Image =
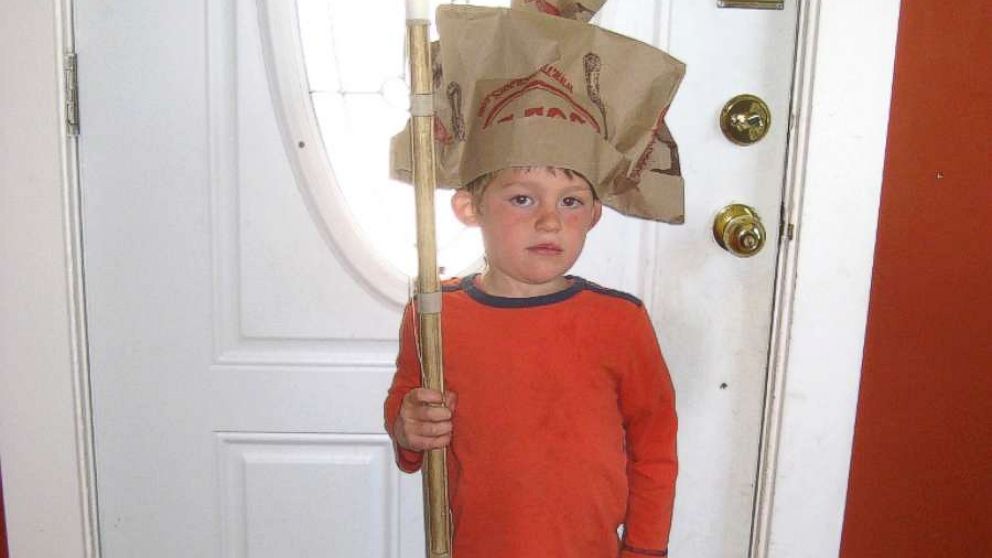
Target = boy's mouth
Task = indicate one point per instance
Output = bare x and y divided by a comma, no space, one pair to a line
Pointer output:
547,249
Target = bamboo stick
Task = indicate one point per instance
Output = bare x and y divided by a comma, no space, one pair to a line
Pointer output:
436,512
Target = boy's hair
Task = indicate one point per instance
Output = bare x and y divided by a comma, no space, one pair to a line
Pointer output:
477,186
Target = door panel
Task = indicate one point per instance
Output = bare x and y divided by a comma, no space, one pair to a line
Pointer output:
712,310
304,494
239,361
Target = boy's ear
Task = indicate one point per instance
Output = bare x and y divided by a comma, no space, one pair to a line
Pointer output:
597,212
464,208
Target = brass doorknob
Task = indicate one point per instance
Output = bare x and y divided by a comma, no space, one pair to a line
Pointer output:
745,119
738,230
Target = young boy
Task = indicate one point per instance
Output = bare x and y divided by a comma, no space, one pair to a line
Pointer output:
564,426
559,416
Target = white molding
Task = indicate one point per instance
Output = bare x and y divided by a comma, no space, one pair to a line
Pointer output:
650,265
231,345
237,452
46,437
328,355
222,128
785,280
305,150
840,119
73,231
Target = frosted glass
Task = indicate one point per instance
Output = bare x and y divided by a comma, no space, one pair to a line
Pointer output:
357,73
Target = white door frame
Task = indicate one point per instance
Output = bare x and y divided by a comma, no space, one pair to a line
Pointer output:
840,119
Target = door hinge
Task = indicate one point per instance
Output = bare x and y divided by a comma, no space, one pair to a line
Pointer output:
788,230
71,95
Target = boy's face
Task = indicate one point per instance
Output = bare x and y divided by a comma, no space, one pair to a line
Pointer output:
534,224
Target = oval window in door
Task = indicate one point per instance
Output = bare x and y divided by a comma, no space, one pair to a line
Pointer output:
338,76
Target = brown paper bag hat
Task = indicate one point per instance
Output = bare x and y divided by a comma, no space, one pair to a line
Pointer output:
570,9
516,87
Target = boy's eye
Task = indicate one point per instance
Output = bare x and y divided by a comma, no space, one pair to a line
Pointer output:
521,200
572,202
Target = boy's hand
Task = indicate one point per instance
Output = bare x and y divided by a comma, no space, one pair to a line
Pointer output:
424,421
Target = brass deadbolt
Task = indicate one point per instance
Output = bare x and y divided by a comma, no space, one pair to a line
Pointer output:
745,119
738,230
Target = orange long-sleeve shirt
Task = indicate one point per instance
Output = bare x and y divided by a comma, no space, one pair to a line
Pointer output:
565,426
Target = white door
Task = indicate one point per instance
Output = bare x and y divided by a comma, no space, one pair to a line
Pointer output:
241,340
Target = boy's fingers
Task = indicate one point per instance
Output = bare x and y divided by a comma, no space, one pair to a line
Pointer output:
435,443
427,443
441,442
425,405
435,429
400,435
423,413
426,429
412,427
424,396
434,414
424,420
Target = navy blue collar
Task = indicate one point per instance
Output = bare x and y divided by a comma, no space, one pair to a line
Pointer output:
477,294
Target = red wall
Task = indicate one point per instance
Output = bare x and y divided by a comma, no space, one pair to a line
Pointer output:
921,471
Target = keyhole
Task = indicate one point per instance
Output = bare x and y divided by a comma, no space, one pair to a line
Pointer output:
748,241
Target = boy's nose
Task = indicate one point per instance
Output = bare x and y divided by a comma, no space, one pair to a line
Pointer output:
548,221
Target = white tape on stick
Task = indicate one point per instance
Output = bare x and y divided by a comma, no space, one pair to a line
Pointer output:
429,303
418,9
421,104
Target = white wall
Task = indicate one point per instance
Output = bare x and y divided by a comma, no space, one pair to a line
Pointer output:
37,425
847,124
